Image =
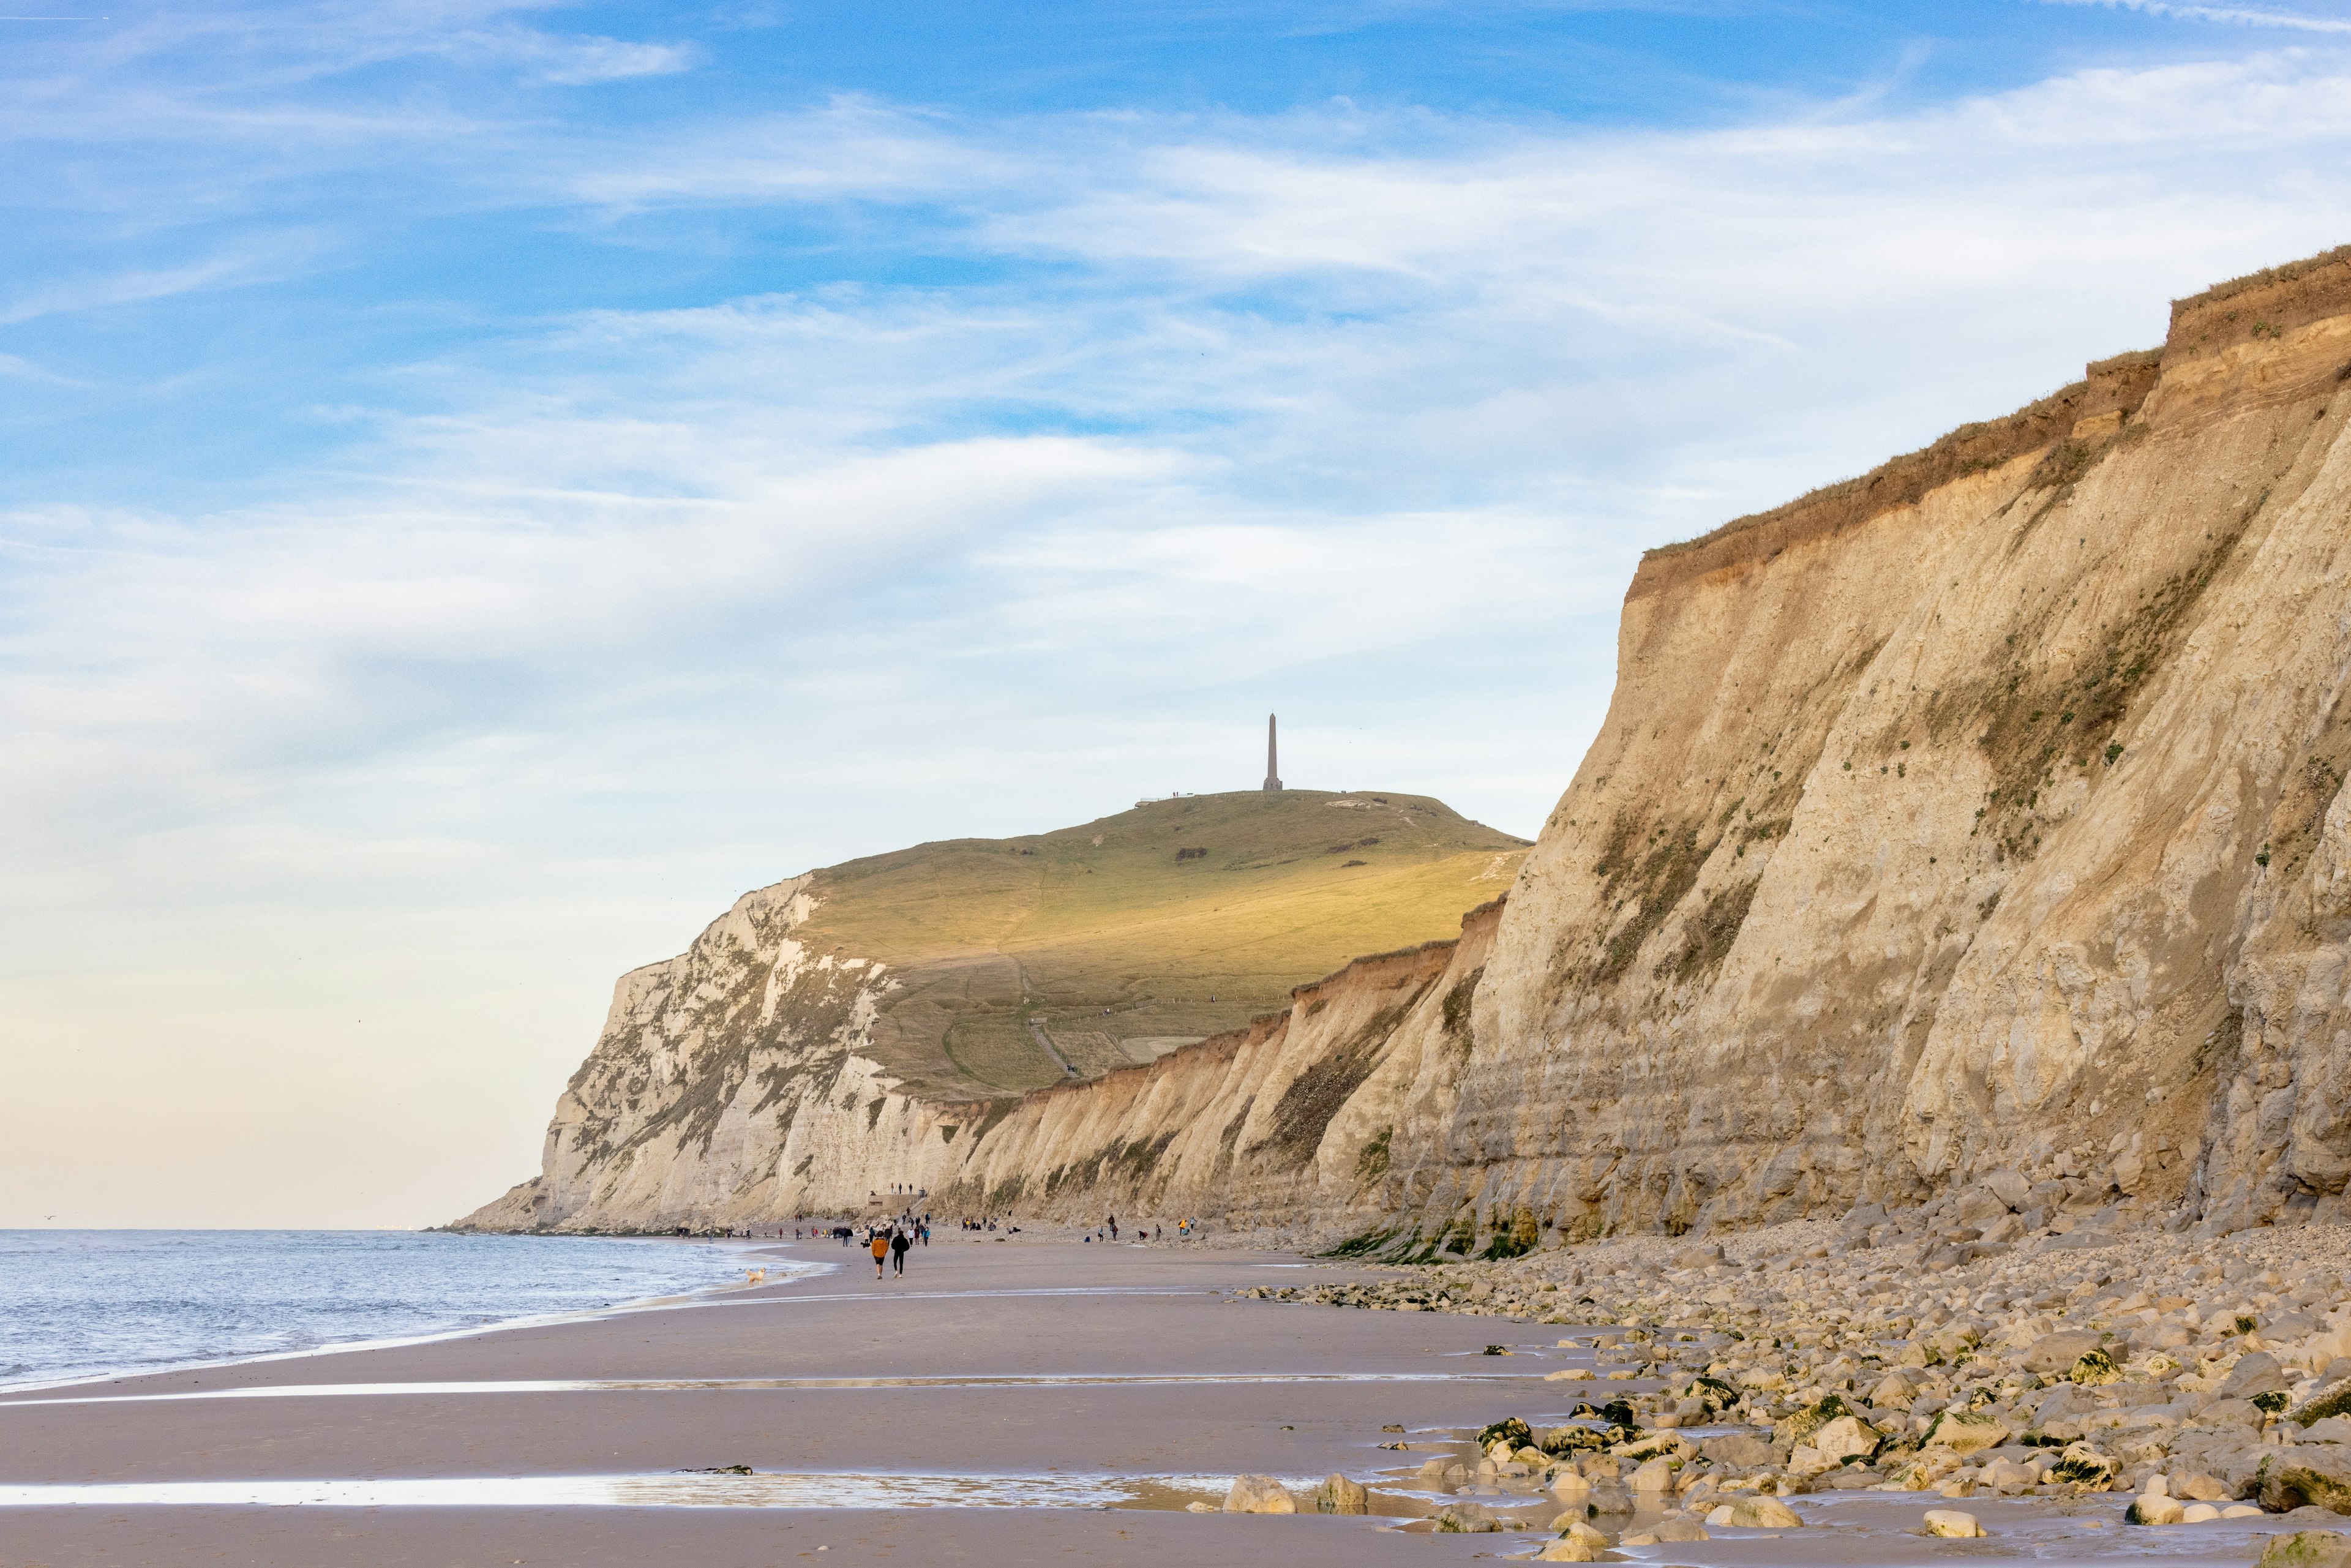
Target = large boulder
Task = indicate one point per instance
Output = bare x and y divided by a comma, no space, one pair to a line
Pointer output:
1654,1475
2079,1464
1258,1494
2256,1371
1337,1494
2009,1187
2307,1548
1467,1518
1847,1438
1950,1522
1800,1427
1755,1513
2334,1399
2008,1477
2317,1474
1899,1386
1740,1452
2058,1352
1966,1432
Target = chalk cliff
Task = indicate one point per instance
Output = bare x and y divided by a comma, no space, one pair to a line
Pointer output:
1983,812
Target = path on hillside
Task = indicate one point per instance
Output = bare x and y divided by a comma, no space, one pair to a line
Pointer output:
1008,1323
1037,1027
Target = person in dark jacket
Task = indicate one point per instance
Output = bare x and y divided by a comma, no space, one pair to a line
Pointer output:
899,1242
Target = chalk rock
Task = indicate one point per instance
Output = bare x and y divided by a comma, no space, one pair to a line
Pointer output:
1467,1518
1260,1494
1739,1451
1847,1437
1951,1523
2307,1548
2010,1186
1755,1513
2315,1473
2058,1352
2008,1477
1337,1494
2256,1371
1968,1432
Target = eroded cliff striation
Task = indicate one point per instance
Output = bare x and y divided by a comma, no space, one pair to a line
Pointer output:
1982,812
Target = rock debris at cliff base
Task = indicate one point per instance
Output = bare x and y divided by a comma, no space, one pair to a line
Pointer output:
2168,1379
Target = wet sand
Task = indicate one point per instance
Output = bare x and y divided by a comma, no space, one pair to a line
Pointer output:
1003,1323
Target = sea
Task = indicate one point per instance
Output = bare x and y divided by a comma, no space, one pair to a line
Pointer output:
77,1305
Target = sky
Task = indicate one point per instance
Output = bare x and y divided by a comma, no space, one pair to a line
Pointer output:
486,483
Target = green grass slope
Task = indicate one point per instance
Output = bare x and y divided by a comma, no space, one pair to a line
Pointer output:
1103,945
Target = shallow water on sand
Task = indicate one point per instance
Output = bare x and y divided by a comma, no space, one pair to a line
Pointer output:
85,1303
697,1489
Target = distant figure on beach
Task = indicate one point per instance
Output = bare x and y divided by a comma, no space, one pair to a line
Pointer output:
1113,1227
899,1242
881,1252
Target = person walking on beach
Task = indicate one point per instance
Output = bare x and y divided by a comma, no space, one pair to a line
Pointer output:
881,1252
899,1243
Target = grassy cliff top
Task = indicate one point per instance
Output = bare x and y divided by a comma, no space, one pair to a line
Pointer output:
1098,946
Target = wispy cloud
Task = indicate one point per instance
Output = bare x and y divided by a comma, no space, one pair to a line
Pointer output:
2230,16
239,267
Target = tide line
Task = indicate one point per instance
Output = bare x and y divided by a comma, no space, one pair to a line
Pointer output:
756,1385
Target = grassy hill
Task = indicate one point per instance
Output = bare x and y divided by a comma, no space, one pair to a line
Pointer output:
1098,946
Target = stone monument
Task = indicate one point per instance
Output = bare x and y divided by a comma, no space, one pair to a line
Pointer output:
1272,773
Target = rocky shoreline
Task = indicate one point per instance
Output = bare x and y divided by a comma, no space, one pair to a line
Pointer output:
1955,1350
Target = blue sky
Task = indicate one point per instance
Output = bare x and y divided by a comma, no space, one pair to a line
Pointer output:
486,483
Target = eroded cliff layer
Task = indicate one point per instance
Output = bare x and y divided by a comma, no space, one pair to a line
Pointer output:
1984,811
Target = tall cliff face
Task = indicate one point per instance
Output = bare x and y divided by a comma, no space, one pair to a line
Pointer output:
1990,827
1982,812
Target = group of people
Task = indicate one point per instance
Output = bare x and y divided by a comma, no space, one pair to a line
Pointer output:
891,1243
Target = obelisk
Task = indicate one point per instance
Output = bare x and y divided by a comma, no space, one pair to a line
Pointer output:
1272,773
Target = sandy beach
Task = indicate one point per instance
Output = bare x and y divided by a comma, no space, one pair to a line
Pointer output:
998,1314
1038,1399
